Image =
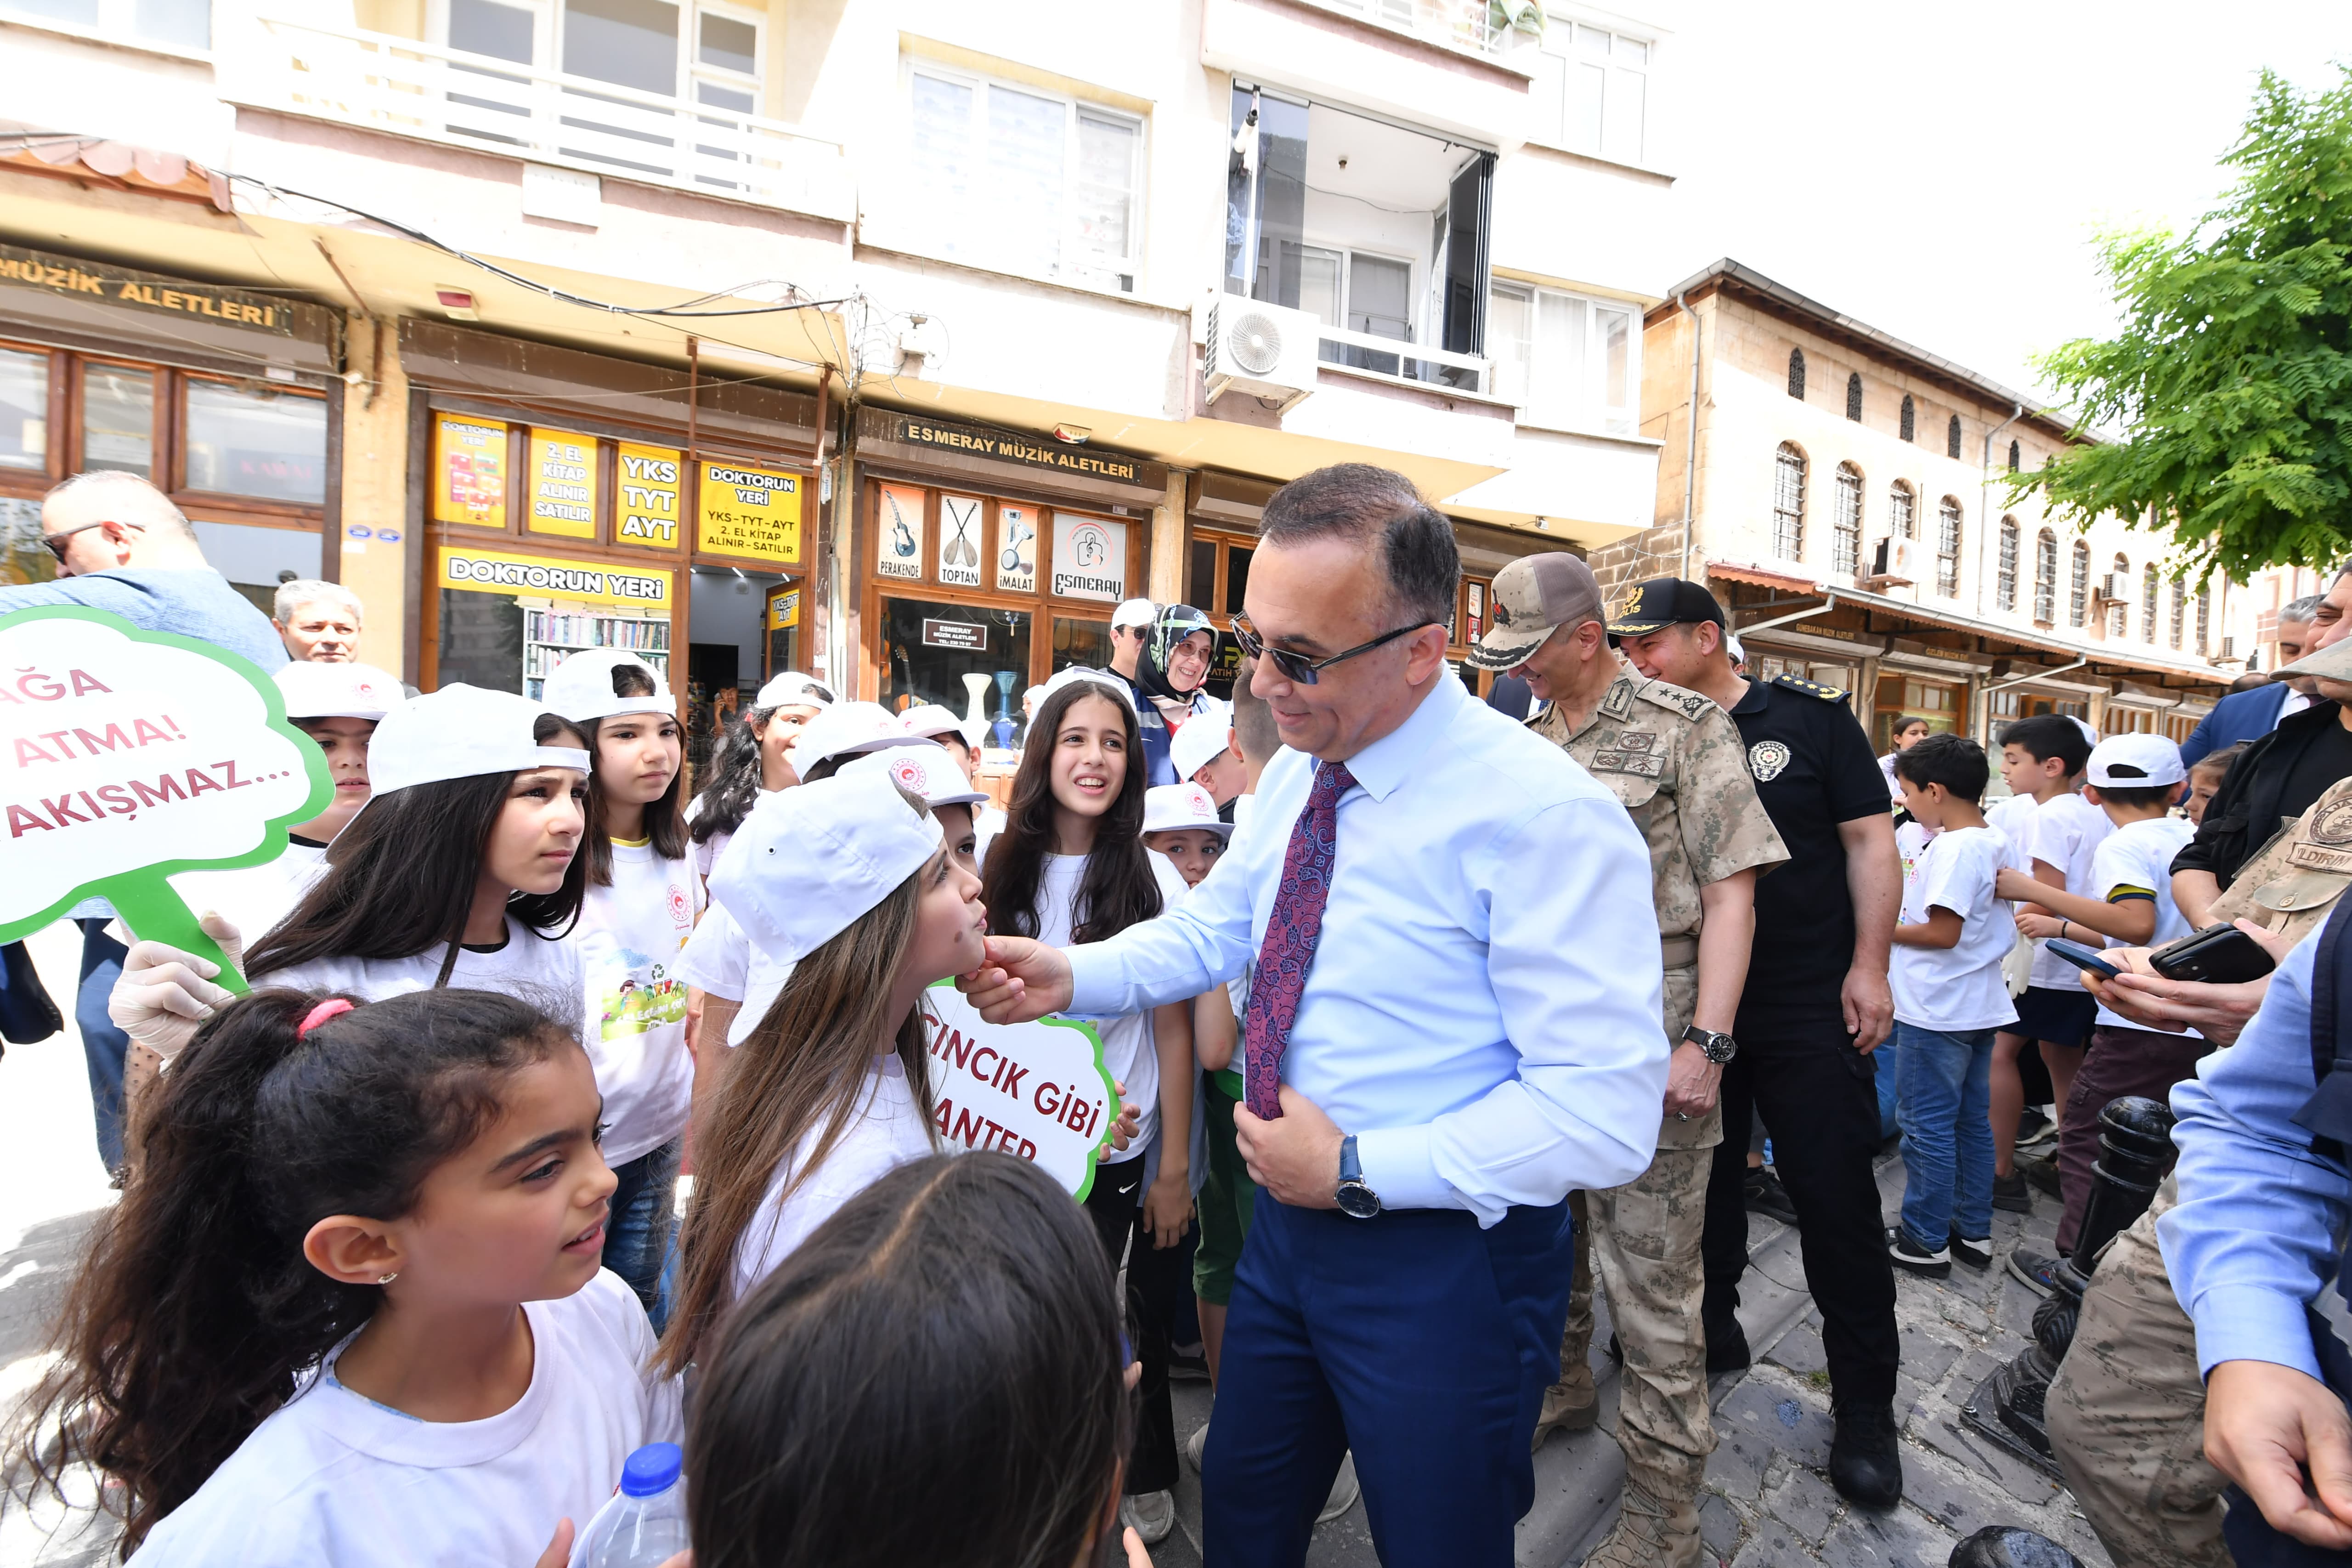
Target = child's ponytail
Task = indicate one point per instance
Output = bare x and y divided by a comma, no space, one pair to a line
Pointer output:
194,1314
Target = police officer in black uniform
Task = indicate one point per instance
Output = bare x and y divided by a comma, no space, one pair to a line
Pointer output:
1816,1004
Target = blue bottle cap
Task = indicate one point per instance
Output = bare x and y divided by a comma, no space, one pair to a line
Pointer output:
651,1469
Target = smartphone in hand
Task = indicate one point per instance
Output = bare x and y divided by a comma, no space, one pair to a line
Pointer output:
2218,955
2081,957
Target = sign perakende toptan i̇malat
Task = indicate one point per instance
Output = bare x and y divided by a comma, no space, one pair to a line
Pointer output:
1036,1090
132,756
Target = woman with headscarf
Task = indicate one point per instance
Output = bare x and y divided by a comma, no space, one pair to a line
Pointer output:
1168,682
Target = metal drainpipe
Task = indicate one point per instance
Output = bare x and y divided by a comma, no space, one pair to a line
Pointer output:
1690,457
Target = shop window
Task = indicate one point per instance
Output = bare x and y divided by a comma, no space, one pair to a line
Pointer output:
1940,703
1365,271
256,441
23,410
1566,359
1591,90
118,419
967,659
1013,177
1217,574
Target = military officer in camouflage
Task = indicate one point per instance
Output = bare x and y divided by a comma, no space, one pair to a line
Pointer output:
1676,762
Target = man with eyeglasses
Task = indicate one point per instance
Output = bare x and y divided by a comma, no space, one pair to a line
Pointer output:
122,547
1455,1022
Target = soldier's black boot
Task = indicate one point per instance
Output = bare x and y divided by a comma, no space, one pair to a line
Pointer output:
1865,1466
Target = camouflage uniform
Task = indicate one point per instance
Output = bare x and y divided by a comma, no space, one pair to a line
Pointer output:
1676,761
2126,1412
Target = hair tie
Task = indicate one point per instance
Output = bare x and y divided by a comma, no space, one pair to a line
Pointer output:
332,1007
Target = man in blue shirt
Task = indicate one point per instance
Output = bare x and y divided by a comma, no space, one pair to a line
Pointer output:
122,547
2254,1252
2251,715
1453,1021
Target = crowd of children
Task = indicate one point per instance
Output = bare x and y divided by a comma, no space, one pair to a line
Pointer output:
399,1263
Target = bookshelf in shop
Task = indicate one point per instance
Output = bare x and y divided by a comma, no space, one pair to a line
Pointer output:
551,636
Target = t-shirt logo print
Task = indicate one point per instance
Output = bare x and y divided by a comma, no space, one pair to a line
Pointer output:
1767,759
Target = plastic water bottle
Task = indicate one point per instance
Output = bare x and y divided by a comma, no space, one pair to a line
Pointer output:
644,1524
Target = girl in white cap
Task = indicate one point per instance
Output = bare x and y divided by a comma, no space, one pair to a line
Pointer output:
753,759
641,899
847,881
1070,866
463,869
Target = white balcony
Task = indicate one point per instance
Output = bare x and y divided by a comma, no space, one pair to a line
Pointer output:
1411,363
410,87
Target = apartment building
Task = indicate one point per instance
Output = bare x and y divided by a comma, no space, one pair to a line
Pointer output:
1847,495
894,344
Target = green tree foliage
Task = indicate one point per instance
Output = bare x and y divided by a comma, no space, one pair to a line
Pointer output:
2231,382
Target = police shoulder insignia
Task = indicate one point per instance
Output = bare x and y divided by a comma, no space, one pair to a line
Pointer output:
1766,759
1810,689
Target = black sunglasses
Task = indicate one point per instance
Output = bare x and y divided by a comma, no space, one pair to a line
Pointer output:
56,541
1297,667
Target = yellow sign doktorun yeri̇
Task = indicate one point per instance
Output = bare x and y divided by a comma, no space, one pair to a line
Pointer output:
750,511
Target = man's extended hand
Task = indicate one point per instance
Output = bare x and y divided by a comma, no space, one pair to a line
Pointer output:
1021,980
1691,1082
2216,1012
2264,1424
1869,1008
1296,1157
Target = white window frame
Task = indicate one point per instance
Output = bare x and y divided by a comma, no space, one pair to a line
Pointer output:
1558,63
547,46
1589,409
1075,263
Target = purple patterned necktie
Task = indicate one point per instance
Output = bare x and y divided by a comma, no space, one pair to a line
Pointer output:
1291,933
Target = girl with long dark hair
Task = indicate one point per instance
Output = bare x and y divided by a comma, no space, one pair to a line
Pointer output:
642,896
753,758
847,880
463,868
349,1310
1070,866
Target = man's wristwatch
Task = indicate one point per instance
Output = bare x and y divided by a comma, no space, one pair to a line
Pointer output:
1719,1047
1357,1201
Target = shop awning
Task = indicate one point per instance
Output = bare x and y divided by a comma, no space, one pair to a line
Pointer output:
2110,660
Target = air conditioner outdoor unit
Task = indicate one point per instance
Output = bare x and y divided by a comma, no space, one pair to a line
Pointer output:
1268,350
2115,587
1898,561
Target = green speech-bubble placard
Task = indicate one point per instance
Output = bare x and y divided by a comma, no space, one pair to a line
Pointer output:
1038,1090
130,756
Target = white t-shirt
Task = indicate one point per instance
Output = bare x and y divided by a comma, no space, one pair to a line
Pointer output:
630,937
543,972
254,897
2013,818
2138,859
1130,1053
334,1478
2067,832
1959,987
1911,841
719,959
886,1132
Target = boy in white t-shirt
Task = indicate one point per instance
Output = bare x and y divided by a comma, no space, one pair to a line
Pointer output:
2133,780
1949,999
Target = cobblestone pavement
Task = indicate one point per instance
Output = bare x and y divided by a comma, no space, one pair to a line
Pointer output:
1768,1502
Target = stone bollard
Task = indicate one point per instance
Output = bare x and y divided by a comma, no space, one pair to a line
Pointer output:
2135,1146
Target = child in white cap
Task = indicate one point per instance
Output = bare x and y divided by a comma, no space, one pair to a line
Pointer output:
1180,821
1202,751
462,870
753,758
847,881
930,721
642,900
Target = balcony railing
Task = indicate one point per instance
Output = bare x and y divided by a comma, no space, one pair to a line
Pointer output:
1407,361
1470,25
415,89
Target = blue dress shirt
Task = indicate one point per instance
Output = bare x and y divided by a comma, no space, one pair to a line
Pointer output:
1484,1002
2254,1237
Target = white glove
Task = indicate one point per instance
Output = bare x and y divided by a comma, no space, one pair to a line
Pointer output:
165,994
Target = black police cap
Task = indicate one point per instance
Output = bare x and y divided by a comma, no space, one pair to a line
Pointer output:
1662,602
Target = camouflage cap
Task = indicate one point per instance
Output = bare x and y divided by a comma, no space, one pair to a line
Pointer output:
2333,662
1532,598
1664,602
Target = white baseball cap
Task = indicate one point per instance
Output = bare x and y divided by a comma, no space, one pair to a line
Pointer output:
926,771
338,691
581,688
2135,762
1110,680
808,863
928,721
1199,738
1169,807
847,727
1134,613
461,732
794,690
